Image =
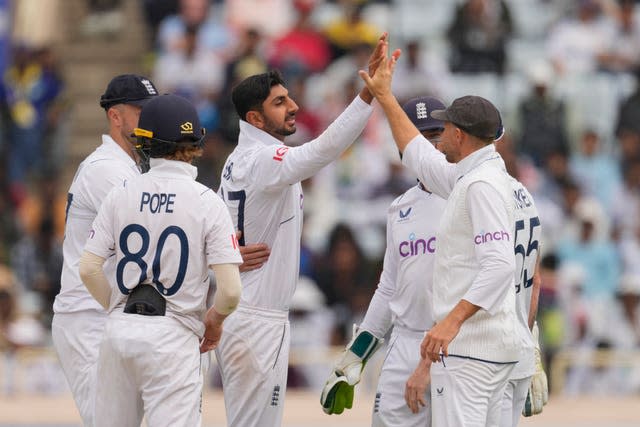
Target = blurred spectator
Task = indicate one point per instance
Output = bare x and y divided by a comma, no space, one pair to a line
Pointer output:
37,263
311,322
550,315
417,72
622,54
628,126
477,36
27,91
303,49
211,34
247,61
541,118
595,171
154,13
211,162
350,29
55,136
629,290
625,206
193,72
271,17
104,18
574,43
309,122
345,279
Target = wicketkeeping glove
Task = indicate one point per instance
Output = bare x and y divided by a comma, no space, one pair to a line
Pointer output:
337,393
538,395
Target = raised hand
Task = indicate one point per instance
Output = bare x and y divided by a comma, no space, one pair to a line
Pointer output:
379,82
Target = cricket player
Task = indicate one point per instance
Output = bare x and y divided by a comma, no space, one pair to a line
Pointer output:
474,341
79,320
402,301
164,231
260,184
527,236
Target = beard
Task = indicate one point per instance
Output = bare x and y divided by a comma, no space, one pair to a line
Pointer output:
279,129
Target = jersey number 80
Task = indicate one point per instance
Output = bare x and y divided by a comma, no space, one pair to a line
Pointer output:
137,257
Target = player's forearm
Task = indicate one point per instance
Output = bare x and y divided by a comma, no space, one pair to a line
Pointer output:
92,275
306,160
461,312
378,318
402,129
228,289
535,294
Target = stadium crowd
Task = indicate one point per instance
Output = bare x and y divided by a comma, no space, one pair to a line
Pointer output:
563,73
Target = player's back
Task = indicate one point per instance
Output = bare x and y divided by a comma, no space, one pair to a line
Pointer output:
268,213
527,236
106,167
413,220
168,229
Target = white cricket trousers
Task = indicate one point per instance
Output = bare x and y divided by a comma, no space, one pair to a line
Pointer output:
76,338
390,409
253,357
515,394
468,392
148,365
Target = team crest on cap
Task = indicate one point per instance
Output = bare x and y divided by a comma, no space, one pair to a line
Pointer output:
421,111
186,127
147,84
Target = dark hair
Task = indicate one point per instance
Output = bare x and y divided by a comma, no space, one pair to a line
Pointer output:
250,93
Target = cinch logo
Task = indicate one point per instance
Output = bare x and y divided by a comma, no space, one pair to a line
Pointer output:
490,237
186,127
417,246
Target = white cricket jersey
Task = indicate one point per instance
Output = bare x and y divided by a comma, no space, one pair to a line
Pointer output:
527,237
404,294
475,259
165,229
261,186
108,166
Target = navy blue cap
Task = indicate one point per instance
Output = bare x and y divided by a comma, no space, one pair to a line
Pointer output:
169,118
419,111
128,89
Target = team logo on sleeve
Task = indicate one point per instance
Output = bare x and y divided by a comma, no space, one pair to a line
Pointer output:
280,152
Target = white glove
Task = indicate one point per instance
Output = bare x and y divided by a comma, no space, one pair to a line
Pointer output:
538,390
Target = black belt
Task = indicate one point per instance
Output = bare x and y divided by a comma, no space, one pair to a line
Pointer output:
145,301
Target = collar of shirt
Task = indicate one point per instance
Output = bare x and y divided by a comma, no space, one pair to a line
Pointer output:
250,134
476,158
172,168
111,145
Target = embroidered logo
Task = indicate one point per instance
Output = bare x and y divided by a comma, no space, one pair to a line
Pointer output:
376,404
227,171
421,111
405,214
280,152
275,396
440,391
149,87
186,127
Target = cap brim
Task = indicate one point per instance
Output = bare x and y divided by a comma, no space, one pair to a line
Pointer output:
440,115
138,102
